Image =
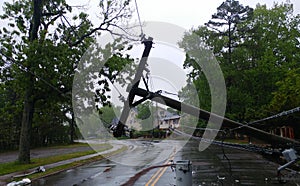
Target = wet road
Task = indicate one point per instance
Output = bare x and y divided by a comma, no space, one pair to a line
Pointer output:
210,167
229,167
119,168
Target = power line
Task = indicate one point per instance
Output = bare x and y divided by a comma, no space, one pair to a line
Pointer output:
281,114
121,97
138,14
170,93
199,128
251,148
284,113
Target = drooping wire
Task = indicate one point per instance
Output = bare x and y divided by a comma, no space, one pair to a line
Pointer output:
121,96
139,17
250,148
222,143
224,154
281,114
72,28
174,94
199,128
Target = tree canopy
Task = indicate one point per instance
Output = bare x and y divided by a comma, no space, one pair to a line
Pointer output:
41,46
258,51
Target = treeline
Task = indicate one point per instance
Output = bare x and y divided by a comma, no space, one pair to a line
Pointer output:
259,53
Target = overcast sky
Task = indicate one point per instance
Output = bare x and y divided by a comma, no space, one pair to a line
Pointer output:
187,13
191,13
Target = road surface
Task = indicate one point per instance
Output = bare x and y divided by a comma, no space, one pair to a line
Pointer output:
210,167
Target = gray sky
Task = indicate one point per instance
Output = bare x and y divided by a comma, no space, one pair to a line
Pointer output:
187,14
191,13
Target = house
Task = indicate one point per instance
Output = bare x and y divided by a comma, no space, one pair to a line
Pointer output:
161,119
167,120
132,121
283,131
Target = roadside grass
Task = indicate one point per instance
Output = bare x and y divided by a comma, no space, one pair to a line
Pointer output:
10,167
75,164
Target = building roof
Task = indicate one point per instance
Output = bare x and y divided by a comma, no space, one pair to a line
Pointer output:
169,117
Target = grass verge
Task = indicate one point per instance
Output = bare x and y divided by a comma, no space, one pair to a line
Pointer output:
75,164
6,168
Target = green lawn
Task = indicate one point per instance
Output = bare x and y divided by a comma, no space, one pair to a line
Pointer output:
74,164
6,168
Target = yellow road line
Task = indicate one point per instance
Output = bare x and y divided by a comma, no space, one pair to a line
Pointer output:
160,171
160,175
157,172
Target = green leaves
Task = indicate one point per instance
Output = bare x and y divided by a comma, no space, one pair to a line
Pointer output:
288,94
259,56
39,58
144,110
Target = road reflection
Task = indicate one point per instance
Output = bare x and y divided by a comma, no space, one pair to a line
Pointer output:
214,166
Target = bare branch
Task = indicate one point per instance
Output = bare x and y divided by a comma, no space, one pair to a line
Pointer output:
112,13
46,25
48,14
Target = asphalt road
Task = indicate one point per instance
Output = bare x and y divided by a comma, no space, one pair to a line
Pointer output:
210,167
117,169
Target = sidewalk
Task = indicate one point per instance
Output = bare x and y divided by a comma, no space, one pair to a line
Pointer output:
49,166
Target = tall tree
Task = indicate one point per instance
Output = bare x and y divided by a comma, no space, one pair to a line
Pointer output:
228,30
271,47
287,96
42,42
225,22
264,54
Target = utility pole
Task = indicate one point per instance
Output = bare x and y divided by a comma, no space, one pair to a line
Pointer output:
128,104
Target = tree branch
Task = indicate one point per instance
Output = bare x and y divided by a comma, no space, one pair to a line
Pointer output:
109,20
48,14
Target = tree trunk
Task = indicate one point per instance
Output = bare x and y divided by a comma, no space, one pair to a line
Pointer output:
72,129
229,43
24,146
